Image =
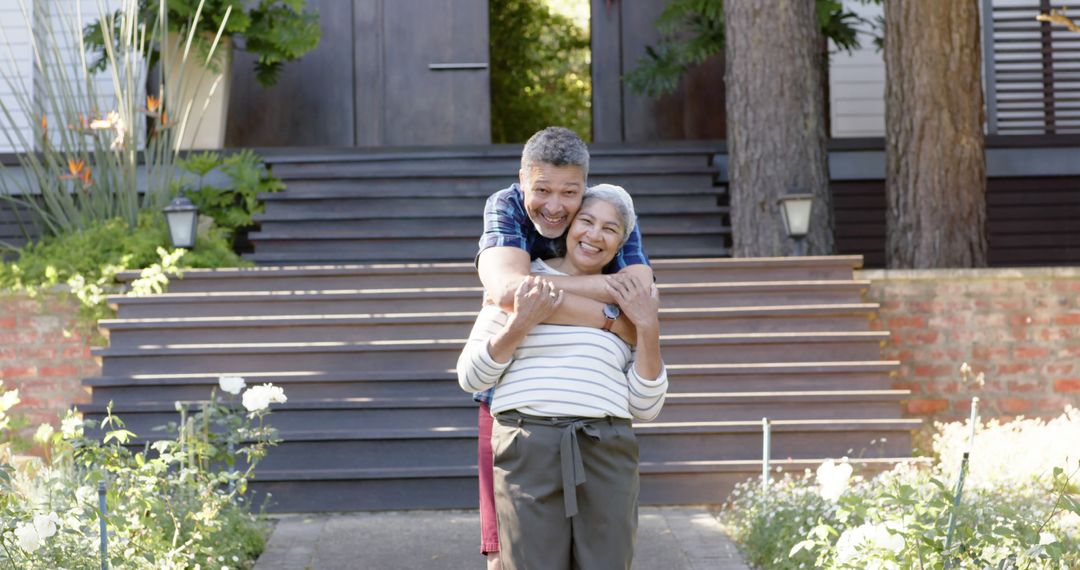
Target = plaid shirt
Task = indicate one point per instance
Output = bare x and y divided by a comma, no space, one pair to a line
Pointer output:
506,224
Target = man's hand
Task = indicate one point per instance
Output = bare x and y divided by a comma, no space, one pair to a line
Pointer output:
502,270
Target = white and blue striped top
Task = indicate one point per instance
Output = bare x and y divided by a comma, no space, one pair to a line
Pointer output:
560,371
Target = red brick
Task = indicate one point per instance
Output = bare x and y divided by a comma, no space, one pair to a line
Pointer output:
1053,405
1067,385
926,407
62,371
8,323
1068,319
933,370
1010,405
1032,352
915,322
915,387
11,372
1014,368
1025,386
1058,368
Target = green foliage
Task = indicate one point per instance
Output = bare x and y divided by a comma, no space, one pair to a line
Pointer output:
539,71
231,208
1023,518
276,31
693,32
173,503
88,261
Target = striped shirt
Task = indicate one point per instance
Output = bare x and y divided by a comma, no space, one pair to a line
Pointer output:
559,370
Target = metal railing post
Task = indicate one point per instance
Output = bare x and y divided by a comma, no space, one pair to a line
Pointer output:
101,525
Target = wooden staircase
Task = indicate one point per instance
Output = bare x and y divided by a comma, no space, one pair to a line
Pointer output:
375,418
426,205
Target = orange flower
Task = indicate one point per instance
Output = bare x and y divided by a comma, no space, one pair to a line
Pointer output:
44,123
164,119
152,103
75,167
78,171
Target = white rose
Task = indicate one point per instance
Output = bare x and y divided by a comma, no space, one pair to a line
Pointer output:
72,426
46,524
43,433
27,536
8,400
260,397
232,384
832,479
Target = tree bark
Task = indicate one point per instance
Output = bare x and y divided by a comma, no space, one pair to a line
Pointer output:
776,124
935,163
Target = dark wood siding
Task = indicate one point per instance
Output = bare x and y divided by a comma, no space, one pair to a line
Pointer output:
621,31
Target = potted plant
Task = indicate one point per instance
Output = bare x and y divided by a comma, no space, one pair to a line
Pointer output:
197,62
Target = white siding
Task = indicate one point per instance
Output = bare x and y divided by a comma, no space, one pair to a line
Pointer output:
63,18
857,84
16,69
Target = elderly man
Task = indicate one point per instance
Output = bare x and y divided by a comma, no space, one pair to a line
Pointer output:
528,220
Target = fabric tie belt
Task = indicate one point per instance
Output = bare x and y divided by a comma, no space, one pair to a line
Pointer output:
570,463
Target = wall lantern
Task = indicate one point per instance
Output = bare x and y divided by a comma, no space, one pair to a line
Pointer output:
182,217
795,210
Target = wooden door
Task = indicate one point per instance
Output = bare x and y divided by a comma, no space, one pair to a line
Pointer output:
386,73
432,58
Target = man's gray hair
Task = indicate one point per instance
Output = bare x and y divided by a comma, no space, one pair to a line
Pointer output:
616,196
557,146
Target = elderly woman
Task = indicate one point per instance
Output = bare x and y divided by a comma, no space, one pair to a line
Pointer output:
566,459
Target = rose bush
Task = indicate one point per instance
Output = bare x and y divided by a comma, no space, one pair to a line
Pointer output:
174,502
1020,507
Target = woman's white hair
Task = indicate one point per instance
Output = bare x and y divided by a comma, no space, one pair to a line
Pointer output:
616,196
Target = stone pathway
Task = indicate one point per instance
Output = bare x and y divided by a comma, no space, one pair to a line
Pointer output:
669,538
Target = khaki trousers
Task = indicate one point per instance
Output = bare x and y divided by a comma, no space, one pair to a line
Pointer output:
566,492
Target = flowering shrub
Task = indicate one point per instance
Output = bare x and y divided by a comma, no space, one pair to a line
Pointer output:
1011,515
178,502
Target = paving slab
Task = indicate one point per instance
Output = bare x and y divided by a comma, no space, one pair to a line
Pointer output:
669,538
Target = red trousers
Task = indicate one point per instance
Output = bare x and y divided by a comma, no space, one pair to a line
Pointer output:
489,525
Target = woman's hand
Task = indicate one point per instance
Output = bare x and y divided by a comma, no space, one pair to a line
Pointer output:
640,303
535,300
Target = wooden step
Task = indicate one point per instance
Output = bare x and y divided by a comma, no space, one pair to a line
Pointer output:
436,353
796,376
386,276
366,327
502,169
470,207
659,442
459,411
348,244
461,299
662,483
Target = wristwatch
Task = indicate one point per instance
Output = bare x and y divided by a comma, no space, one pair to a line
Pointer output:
611,313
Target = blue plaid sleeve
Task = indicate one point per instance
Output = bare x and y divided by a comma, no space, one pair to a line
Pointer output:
632,253
504,221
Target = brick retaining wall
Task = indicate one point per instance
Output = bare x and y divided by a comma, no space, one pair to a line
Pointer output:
1020,327
44,355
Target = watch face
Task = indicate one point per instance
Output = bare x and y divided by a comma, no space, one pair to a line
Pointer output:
611,311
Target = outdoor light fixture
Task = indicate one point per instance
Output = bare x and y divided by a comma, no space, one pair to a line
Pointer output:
182,217
795,210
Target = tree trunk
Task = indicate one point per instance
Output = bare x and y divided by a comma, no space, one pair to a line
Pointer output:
935,163
776,125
